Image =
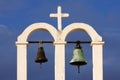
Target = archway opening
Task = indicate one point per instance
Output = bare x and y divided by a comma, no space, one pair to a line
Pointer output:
35,71
86,70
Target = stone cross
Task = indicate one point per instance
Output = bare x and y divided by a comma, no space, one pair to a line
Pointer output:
59,15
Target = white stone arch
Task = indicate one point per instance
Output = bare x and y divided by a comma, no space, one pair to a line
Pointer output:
84,27
96,43
34,27
22,46
59,42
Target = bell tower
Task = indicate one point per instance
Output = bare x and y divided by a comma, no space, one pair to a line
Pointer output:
59,35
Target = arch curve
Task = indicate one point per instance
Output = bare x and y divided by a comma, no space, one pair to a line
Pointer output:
84,27
37,26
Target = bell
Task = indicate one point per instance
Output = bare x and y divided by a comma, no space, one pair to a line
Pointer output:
78,57
41,58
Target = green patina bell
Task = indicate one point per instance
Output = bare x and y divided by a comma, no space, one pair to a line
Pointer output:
78,57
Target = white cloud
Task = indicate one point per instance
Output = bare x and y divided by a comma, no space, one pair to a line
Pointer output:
4,30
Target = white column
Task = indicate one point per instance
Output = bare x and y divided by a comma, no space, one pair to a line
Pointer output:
21,61
59,61
97,48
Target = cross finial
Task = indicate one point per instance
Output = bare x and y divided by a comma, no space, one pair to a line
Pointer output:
59,15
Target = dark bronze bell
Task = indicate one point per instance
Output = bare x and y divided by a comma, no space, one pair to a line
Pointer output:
41,58
78,57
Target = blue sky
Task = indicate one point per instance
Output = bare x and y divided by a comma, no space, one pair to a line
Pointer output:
16,15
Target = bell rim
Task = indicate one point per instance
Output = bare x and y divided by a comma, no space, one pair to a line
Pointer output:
79,63
41,61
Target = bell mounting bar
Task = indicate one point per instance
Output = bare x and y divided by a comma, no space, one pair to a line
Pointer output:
81,42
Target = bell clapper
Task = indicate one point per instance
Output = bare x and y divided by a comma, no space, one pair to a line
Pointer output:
40,65
78,68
